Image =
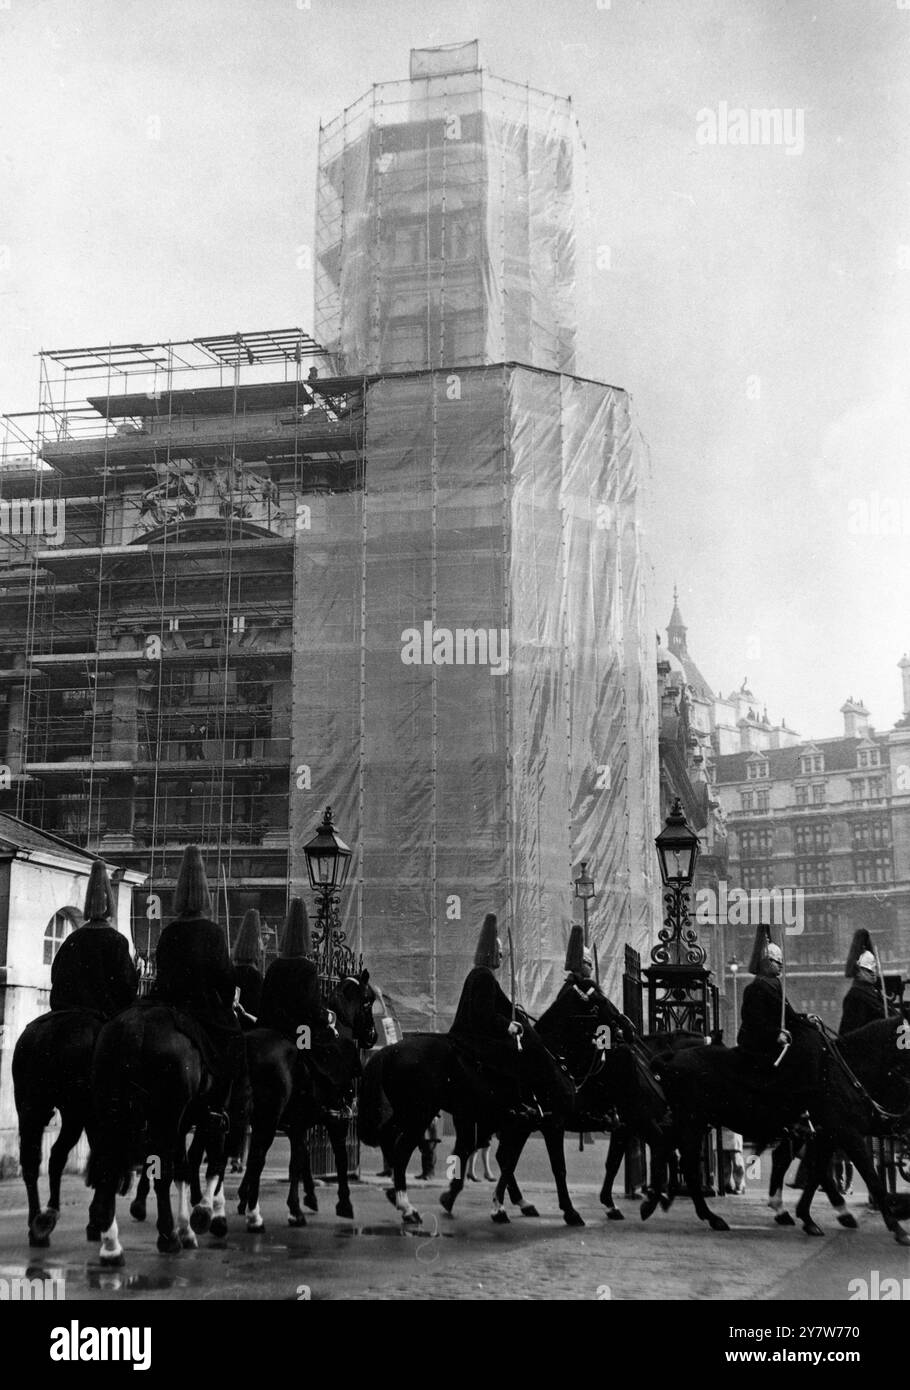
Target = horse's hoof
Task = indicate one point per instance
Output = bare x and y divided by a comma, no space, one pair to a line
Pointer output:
901,1236
530,1210
614,1214
572,1217
137,1210
501,1218
783,1218
200,1220
168,1245
117,1261
92,1234
412,1218
717,1223
811,1228
665,1202
344,1208
252,1229
45,1221
38,1242
447,1201
311,1203
648,1207
188,1241
218,1228
847,1220
297,1219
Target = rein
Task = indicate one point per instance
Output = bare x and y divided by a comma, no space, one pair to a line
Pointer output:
893,1117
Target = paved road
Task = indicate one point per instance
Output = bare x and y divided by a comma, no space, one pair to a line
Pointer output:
466,1257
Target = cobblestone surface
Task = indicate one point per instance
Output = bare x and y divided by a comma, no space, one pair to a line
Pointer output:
466,1256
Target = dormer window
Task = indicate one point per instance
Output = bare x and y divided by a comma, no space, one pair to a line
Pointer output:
757,768
868,756
811,762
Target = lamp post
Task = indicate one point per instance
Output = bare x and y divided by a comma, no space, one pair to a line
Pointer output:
733,967
328,862
584,889
678,982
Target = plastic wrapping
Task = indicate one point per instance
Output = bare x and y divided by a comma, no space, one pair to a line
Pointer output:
445,226
472,774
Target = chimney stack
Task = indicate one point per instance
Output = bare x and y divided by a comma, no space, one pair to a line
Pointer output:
856,717
904,668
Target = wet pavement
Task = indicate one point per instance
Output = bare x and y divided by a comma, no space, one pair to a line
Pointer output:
462,1257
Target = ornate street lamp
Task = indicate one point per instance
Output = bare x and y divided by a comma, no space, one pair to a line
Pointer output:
584,889
328,862
678,983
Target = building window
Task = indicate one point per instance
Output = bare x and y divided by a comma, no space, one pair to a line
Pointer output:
874,833
811,839
876,788
858,789
757,769
802,795
60,925
872,868
810,763
818,793
812,873
755,844
757,874
762,801
746,798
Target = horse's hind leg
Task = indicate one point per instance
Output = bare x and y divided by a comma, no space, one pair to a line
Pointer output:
138,1206
781,1158
338,1135
690,1139
248,1192
616,1152
31,1132
554,1138
403,1148
204,1208
466,1138
70,1130
298,1168
185,1233
310,1199
168,1240
194,1157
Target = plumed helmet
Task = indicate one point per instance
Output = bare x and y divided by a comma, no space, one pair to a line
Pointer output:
763,949
867,961
248,946
191,896
860,946
575,951
295,939
486,943
99,896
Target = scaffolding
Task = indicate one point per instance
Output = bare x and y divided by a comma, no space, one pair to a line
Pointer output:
148,513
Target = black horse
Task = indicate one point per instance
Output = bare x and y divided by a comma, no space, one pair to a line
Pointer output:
610,1083
294,1089
866,1092
149,1085
52,1063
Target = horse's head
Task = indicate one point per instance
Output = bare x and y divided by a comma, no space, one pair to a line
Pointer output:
352,1000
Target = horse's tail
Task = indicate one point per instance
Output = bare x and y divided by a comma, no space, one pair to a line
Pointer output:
120,1110
373,1108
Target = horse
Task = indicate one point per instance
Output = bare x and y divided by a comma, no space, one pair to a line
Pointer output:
52,1063
406,1084
610,1080
705,1086
149,1084
295,1088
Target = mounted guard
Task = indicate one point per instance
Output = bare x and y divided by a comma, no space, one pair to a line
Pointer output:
195,975
865,1000
780,1047
504,1060
247,958
93,968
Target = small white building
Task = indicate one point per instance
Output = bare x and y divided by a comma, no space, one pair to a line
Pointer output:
42,890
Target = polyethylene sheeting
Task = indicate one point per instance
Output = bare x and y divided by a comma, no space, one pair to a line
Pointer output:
473,773
445,227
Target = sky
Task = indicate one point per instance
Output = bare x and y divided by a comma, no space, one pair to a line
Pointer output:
157,178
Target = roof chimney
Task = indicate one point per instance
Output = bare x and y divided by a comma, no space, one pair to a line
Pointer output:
856,717
904,668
